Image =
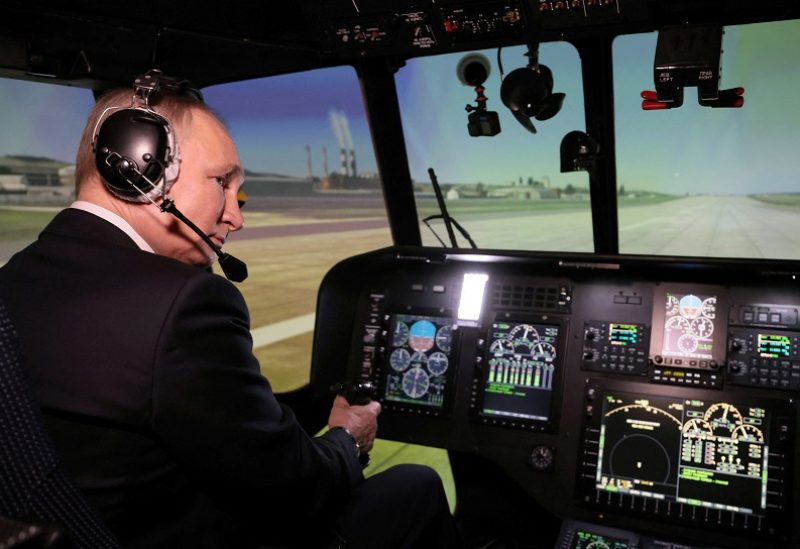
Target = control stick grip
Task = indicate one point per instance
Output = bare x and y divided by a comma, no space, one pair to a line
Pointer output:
357,393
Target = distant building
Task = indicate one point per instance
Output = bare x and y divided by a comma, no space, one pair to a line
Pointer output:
13,184
66,176
40,171
272,184
516,192
453,194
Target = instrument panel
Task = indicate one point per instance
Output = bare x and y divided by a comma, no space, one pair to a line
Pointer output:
655,395
429,27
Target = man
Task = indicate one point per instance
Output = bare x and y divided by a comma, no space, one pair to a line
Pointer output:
142,362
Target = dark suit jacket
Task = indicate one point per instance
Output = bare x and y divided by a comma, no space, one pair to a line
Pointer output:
144,369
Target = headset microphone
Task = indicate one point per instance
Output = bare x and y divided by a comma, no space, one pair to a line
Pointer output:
137,155
233,268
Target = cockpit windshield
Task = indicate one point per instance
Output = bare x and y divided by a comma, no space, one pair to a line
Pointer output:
506,190
691,181
730,174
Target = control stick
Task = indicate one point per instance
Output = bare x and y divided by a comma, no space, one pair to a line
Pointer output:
357,393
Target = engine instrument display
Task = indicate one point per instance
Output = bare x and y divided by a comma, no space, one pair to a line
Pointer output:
698,453
519,371
418,360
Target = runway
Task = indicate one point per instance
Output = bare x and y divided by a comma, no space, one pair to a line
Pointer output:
704,226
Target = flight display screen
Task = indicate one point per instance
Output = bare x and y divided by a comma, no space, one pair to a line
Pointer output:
520,370
708,454
419,356
690,323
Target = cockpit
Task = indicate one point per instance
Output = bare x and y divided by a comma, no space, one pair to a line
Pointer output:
557,240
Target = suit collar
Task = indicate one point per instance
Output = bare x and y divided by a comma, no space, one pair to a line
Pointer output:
74,223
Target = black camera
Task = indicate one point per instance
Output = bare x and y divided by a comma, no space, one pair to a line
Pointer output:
483,123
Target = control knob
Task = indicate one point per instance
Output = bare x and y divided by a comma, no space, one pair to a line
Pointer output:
541,458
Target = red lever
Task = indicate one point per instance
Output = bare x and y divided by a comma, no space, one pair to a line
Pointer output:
651,102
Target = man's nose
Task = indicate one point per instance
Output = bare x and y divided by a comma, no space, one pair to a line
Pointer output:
232,216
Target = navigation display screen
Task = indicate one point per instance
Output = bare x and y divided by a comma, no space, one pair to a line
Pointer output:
519,371
419,360
710,454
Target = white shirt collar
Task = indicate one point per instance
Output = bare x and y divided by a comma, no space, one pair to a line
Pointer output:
115,220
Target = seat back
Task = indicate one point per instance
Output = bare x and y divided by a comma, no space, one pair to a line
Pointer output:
32,485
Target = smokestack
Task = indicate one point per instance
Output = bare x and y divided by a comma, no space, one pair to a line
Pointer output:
343,161
353,162
338,126
308,159
347,139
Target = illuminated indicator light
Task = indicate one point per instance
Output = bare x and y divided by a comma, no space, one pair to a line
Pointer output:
469,306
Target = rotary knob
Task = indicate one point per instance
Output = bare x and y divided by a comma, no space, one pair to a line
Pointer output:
541,458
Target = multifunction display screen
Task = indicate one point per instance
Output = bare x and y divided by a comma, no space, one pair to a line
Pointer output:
520,370
774,346
709,454
690,321
591,540
623,335
419,360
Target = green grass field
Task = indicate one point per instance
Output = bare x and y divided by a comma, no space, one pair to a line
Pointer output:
781,200
19,224
22,224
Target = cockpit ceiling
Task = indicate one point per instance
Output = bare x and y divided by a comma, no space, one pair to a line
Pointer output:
100,44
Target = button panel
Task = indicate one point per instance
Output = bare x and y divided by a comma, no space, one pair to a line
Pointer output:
764,358
615,347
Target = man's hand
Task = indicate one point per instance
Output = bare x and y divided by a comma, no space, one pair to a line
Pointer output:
361,421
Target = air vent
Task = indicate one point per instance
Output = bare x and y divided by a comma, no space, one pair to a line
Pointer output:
554,298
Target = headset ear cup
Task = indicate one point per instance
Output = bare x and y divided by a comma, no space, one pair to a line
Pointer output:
173,161
133,149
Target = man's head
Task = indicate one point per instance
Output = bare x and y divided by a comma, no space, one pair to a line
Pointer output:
205,189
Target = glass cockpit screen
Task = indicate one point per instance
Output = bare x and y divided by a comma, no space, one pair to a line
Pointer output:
695,452
419,360
592,540
689,324
519,371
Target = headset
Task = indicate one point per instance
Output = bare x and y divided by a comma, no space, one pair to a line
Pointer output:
137,155
135,148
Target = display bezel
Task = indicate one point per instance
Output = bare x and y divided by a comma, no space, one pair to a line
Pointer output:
718,339
449,376
547,424
769,521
